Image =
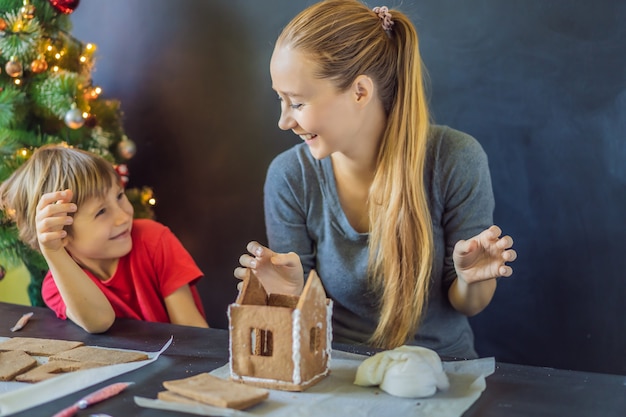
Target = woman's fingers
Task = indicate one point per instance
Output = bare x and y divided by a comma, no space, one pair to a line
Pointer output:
255,248
240,273
247,261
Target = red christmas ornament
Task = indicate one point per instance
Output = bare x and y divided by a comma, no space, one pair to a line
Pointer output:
91,121
122,171
65,6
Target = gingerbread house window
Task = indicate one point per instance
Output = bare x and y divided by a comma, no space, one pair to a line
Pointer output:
280,341
315,339
261,342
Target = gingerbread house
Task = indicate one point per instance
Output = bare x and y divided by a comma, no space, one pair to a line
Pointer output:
280,341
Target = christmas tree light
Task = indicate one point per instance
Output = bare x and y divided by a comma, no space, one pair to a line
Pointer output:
47,96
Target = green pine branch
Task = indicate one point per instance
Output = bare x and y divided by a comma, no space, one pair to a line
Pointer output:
12,106
54,95
21,37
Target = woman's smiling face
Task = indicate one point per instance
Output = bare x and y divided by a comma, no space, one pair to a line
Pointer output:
312,108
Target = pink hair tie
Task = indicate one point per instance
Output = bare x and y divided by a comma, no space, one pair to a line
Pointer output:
385,16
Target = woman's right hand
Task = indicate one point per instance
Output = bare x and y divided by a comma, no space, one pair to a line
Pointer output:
280,273
51,218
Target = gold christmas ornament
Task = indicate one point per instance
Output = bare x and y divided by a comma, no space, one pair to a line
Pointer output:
27,10
3,25
24,153
14,68
39,65
147,196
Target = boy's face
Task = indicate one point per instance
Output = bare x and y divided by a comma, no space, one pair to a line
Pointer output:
101,230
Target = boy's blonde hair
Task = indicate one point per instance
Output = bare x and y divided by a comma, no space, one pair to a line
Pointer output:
346,39
53,168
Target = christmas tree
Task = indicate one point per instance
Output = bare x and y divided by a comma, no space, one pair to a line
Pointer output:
47,96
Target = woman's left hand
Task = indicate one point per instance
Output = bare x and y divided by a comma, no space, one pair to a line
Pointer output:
484,256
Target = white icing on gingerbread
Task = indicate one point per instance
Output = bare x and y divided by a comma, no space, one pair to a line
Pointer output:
295,348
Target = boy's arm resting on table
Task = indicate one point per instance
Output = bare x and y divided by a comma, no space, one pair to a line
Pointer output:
182,309
478,262
85,304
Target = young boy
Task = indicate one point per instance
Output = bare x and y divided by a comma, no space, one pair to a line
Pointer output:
70,205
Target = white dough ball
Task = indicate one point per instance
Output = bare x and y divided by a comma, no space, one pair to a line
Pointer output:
407,371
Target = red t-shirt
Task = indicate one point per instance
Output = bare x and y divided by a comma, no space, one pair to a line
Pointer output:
157,265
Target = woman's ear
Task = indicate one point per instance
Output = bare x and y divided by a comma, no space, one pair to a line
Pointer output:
363,89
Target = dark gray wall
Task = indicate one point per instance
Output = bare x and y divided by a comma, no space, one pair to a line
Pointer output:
541,84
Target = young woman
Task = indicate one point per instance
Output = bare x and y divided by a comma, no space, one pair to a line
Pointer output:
70,205
393,213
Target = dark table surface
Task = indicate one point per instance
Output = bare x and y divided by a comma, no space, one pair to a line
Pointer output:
513,390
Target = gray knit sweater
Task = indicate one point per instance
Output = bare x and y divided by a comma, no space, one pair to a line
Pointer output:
303,215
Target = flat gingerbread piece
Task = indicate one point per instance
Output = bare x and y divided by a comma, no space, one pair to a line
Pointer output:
52,369
208,389
13,363
38,347
99,356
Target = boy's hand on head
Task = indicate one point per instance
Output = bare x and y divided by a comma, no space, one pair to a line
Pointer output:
51,218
